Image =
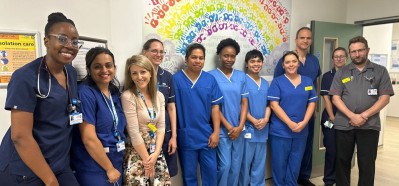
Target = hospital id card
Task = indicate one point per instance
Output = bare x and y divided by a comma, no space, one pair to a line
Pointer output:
75,118
372,92
152,148
120,146
248,136
329,124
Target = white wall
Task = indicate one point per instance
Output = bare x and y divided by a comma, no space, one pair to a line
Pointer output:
391,110
304,11
126,31
379,38
358,10
395,31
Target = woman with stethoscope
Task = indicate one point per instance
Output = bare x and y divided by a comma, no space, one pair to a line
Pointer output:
99,142
42,98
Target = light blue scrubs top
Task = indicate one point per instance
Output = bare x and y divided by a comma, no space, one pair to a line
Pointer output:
233,90
257,102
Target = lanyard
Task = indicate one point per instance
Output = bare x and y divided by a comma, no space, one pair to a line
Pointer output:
154,115
113,113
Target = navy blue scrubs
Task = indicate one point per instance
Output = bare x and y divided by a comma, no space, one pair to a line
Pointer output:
328,134
165,86
95,111
51,128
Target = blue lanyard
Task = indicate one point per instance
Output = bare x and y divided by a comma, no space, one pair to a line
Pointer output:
113,113
152,117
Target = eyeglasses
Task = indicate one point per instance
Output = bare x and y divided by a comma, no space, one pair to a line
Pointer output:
339,57
358,51
64,40
156,52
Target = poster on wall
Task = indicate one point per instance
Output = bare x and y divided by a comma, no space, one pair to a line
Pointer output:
16,49
395,56
79,62
254,24
380,59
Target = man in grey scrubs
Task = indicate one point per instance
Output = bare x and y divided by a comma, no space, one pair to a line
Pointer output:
360,90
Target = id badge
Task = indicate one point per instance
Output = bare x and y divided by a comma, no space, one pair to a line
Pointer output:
248,136
75,118
120,146
329,124
152,148
372,92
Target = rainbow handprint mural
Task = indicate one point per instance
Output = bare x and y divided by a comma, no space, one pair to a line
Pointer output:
262,24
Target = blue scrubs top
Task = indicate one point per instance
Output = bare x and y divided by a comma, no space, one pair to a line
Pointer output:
165,86
326,82
294,101
257,103
51,128
95,111
194,101
233,90
311,68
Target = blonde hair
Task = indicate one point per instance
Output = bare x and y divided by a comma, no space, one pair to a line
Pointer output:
143,62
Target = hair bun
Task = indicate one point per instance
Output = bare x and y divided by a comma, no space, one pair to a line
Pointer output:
56,16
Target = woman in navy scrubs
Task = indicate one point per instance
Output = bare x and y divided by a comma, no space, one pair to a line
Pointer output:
98,143
42,99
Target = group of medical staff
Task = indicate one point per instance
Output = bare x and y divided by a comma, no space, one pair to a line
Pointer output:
91,133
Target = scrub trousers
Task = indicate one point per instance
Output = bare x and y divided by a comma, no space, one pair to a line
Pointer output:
253,170
65,178
366,141
230,155
286,155
329,162
189,159
306,164
171,160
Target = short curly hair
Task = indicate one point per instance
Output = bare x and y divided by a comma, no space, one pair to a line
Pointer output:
228,42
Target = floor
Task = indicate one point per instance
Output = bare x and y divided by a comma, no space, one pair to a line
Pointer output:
387,163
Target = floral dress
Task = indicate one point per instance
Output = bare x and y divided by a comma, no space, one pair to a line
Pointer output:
138,133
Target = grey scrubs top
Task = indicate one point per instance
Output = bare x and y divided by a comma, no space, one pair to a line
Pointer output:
359,90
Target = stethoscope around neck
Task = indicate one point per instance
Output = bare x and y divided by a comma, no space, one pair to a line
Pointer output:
368,78
39,93
71,102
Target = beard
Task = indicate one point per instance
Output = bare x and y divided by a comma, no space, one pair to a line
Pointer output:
359,61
